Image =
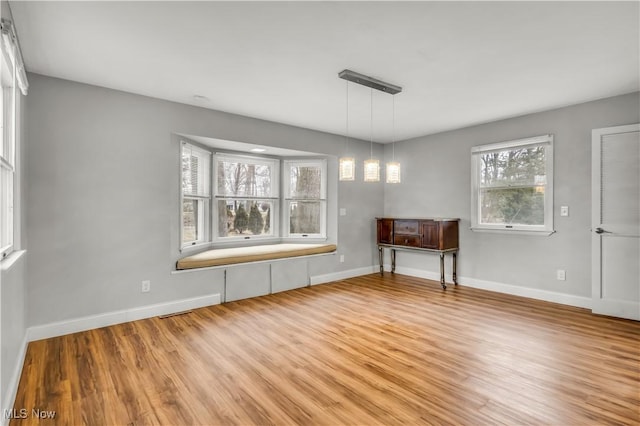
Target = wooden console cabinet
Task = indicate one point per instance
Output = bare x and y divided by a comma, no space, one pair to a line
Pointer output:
428,234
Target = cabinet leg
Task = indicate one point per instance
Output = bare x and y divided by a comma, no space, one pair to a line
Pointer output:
393,261
442,283
455,266
381,259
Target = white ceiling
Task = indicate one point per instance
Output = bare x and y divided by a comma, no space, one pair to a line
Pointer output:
459,63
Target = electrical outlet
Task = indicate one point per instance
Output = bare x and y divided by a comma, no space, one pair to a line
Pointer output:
561,275
342,258
564,210
146,286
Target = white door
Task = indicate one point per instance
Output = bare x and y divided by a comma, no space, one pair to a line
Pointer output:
615,229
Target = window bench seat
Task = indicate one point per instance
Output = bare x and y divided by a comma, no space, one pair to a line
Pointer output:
230,256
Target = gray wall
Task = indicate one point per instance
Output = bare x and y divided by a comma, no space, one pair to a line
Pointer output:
437,182
103,197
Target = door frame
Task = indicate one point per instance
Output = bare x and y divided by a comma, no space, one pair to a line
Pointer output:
599,305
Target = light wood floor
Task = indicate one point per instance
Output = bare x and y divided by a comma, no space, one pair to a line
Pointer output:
364,351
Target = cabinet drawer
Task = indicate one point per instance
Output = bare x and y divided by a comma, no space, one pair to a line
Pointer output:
407,240
406,227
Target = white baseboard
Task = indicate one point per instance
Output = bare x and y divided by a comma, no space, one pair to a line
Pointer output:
111,318
533,293
14,381
342,275
419,273
117,317
61,328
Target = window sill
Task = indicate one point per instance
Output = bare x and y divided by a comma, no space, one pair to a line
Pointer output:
310,239
536,233
195,247
8,262
232,243
242,242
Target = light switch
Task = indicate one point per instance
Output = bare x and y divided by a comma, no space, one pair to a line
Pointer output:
564,210
343,212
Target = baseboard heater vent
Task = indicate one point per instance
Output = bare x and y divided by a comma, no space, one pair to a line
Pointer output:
175,314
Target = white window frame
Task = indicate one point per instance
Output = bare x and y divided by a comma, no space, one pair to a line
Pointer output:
274,197
8,175
279,198
203,199
477,151
288,199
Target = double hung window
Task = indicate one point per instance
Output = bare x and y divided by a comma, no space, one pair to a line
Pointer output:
246,197
196,192
305,198
8,135
512,185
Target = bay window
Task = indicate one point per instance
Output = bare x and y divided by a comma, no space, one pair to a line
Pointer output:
242,199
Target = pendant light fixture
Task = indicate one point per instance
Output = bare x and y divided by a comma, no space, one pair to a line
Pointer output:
393,167
347,164
371,166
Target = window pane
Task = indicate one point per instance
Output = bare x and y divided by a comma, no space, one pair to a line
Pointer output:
195,172
6,76
7,148
305,182
515,167
304,217
6,206
237,218
190,215
518,206
189,173
244,179
513,185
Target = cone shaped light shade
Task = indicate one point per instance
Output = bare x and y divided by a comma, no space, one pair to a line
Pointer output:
347,168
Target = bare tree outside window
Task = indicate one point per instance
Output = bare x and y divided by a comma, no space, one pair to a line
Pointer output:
305,182
306,203
244,188
305,185
195,164
243,179
189,220
246,203
512,185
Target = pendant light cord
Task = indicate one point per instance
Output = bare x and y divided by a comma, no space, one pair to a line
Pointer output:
371,128
393,129
347,124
